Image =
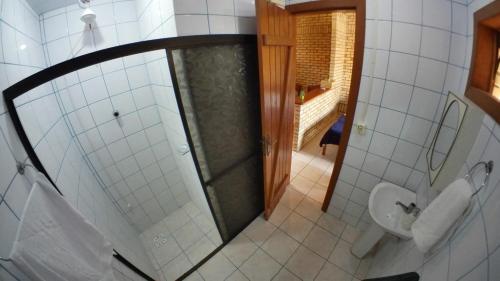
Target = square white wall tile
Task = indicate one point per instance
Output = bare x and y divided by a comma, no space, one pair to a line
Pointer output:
402,68
435,43
190,7
406,38
397,96
390,122
437,14
382,144
431,74
220,7
375,165
192,24
407,11
424,103
222,24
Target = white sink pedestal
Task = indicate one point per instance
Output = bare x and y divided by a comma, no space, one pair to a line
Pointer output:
386,216
367,240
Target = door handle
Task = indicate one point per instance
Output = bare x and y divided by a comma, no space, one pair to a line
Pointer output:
267,145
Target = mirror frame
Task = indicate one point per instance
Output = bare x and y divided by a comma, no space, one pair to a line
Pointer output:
462,108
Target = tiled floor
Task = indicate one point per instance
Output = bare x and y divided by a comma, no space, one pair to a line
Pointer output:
299,241
180,241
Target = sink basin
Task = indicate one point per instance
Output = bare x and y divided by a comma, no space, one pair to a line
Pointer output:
386,216
384,211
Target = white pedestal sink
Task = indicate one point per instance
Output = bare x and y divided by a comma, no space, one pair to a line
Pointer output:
386,216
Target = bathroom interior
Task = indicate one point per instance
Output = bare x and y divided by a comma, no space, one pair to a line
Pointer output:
151,119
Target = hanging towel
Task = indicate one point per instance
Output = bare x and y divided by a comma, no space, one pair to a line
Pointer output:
441,214
55,242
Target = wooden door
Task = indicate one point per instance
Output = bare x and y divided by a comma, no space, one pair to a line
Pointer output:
276,40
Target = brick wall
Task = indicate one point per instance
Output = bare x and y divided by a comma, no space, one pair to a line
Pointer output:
342,51
312,117
313,48
325,49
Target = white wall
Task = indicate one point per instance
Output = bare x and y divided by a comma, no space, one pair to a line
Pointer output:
194,17
132,157
473,252
22,55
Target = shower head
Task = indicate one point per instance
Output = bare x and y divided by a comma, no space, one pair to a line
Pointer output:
88,16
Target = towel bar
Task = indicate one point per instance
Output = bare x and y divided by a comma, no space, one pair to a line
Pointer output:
21,167
488,167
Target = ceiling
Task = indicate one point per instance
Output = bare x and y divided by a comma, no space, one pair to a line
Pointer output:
42,6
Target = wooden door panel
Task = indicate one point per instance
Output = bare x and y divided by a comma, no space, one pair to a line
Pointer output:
276,39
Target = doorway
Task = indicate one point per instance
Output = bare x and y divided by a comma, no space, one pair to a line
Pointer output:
324,169
325,53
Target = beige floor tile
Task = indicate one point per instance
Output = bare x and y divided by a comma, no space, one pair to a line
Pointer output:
317,194
331,224
310,209
176,219
285,275
280,213
311,173
321,163
200,250
325,179
305,264
280,246
176,267
259,230
291,198
343,258
364,267
239,249
321,241
165,251
237,276
217,268
195,276
350,234
187,235
260,267
191,209
331,272
302,184
297,226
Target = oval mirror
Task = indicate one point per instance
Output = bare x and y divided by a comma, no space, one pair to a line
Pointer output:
446,133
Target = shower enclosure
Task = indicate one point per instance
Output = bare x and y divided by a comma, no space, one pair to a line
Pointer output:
156,143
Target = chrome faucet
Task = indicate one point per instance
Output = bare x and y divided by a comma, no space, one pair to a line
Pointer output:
411,208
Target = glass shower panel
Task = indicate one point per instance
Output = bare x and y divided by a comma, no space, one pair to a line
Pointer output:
110,136
218,88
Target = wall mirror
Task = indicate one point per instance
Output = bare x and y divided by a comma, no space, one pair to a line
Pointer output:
446,133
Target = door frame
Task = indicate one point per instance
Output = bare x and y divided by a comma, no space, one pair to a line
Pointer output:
359,6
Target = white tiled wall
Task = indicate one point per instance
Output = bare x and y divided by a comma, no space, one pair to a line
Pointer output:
473,252
194,17
132,155
22,55
418,57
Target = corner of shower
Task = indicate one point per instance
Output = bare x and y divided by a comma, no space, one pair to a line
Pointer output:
155,142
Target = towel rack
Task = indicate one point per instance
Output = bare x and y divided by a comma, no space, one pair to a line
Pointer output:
488,167
21,167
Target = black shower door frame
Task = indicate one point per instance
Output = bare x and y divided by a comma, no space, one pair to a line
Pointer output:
63,68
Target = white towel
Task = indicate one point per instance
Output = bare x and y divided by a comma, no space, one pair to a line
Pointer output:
55,242
441,214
